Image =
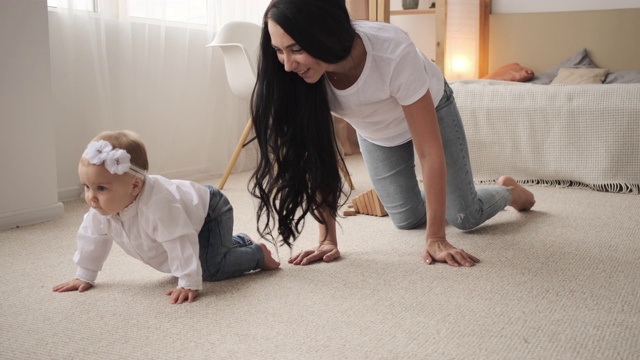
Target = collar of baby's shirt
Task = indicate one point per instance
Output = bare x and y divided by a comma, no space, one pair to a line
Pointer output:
132,208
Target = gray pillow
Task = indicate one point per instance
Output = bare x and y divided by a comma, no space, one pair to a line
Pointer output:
580,59
623,77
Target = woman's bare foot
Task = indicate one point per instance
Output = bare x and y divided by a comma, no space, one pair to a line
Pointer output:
521,198
269,262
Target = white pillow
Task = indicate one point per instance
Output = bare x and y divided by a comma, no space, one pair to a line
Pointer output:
580,76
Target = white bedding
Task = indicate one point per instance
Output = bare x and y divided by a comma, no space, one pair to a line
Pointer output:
568,135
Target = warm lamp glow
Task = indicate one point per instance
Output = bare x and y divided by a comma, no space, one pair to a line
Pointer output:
461,53
461,65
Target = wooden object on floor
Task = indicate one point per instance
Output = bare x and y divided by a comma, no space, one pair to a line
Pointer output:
349,211
367,203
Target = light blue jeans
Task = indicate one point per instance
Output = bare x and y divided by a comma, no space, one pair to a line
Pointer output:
222,254
393,174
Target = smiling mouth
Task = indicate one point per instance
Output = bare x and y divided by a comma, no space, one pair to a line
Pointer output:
303,73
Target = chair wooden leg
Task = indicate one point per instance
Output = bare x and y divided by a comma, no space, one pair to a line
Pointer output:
236,153
238,150
345,173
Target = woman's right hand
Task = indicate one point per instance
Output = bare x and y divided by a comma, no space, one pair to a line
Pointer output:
327,251
73,285
440,250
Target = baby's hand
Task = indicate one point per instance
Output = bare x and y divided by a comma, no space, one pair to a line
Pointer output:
73,285
180,295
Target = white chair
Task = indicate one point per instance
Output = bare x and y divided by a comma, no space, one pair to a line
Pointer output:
239,42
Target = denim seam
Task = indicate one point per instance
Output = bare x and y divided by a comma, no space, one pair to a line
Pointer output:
499,200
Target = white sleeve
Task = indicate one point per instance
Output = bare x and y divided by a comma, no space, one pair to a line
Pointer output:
409,78
93,247
173,229
184,261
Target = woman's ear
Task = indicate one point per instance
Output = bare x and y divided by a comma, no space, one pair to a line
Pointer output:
138,183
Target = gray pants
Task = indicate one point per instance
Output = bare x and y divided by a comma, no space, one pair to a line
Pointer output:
393,174
222,254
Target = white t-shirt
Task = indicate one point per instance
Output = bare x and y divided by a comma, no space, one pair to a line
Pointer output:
160,228
396,73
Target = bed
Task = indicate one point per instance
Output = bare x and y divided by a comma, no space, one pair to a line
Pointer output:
576,120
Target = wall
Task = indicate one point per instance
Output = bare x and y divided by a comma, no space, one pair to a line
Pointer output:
523,6
28,186
417,26
159,81
420,27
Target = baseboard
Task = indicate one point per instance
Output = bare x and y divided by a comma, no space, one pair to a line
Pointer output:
31,216
70,194
193,174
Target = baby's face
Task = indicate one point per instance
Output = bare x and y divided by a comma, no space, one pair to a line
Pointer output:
107,193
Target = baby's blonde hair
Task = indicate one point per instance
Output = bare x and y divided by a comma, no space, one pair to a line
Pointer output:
129,141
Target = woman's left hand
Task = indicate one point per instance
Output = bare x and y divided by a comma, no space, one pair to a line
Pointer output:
327,251
440,250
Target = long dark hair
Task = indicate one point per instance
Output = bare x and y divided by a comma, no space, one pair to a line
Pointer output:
297,172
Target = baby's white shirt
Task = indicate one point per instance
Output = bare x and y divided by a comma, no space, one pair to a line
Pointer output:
160,228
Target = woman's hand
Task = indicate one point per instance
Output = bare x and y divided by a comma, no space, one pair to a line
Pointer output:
422,120
439,250
180,295
73,285
327,251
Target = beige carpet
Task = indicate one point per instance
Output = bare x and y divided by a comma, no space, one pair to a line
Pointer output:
559,282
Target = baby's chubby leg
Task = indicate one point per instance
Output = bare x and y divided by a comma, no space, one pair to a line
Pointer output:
224,255
228,257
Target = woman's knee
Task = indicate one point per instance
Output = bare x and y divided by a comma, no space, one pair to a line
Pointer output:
462,221
407,221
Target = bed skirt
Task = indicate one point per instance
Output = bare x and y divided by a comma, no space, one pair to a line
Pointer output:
564,135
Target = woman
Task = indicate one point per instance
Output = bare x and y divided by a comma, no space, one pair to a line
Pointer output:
314,61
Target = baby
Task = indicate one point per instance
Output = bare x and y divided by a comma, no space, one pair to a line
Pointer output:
175,226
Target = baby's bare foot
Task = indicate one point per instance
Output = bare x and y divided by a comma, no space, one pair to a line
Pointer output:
269,262
521,198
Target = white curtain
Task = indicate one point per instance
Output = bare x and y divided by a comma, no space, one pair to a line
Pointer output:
116,69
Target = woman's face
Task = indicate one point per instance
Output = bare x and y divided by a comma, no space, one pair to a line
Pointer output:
293,57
